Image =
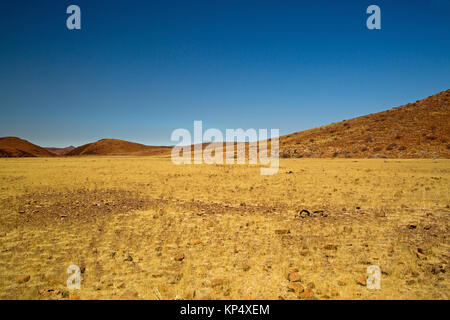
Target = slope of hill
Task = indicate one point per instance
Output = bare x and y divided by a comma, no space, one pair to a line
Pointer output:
113,147
59,151
16,147
416,130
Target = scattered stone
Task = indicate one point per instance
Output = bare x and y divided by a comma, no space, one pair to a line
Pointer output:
342,282
294,277
245,267
129,258
331,246
195,242
311,285
217,283
304,252
179,257
74,296
386,270
361,281
436,269
23,279
308,293
412,225
334,292
21,211
348,229
282,231
295,287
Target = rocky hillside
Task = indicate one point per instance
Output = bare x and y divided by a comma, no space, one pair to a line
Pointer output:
16,147
416,130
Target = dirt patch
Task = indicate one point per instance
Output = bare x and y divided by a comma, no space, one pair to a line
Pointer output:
79,204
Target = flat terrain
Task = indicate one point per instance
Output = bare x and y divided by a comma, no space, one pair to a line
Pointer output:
144,228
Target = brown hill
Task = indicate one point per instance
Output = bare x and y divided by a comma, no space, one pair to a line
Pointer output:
59,151
112,147
16,147
416,130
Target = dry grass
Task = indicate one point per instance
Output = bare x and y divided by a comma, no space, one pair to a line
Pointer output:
125,220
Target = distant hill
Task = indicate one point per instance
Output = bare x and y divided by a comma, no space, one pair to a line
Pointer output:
416,130
16,147
60,151
113,147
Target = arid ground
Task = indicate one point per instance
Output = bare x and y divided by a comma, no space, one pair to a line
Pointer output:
144,228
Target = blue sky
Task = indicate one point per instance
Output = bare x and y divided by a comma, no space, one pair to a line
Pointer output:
137,70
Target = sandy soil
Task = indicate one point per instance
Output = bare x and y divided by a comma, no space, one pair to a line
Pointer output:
143,228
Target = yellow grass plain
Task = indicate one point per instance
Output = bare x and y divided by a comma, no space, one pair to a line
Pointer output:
145,228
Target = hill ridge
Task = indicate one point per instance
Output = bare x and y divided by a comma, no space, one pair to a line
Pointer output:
420,129
117,147
416,130
17,147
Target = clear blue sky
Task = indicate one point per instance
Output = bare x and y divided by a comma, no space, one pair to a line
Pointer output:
140,69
